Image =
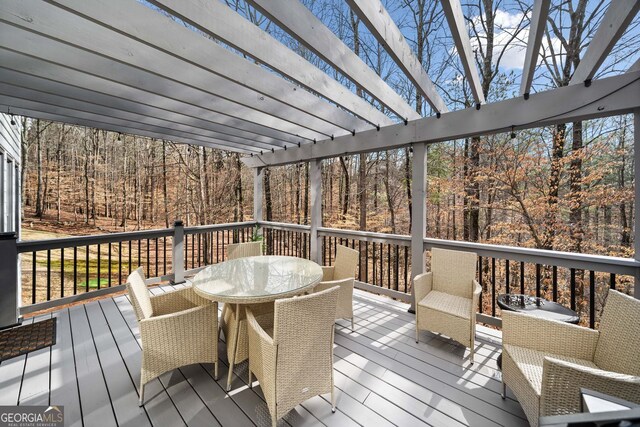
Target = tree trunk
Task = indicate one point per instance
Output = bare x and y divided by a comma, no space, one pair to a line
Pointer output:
345,197
575,191
267,194
362,191
39,209
164,183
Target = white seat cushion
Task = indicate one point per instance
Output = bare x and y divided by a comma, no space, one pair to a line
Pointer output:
446,303
530,363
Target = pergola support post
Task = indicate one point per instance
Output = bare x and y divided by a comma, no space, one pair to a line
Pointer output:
9,285
315,181
258,191
636,199
418,212
178,252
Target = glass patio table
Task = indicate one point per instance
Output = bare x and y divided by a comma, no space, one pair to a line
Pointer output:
254,280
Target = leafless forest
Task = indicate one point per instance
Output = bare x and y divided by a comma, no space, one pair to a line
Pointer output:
568,187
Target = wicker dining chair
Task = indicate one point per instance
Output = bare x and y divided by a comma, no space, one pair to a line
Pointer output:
177,328
229,317
291,353
342,274
546,362
447,297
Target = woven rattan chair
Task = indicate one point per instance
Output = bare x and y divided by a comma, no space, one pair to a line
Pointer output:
229,315
241,250
291,353
342,274
177,328
447,297
546,362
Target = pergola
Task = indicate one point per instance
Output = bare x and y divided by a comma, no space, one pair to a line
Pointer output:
124,67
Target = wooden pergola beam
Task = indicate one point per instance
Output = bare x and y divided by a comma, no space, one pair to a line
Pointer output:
536,32
614,23
384,29
455,18
221,22
300,23
605,97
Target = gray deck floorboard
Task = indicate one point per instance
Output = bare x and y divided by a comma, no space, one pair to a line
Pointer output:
382,377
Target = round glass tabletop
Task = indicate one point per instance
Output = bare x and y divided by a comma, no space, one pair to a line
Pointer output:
256,279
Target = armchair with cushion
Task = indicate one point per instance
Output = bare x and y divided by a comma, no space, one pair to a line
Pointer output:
546,362
177,328
342,274
447,297
291,353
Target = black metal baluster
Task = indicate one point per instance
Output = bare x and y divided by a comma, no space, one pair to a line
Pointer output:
148,263
75,270
120,263
366,262
193,250
109,266
522,277
98,271
612,281
406,268
388,266
61,272
86,270
164,255
130,261
507,274
572,289
397,267
217,246
381,266
155,261
33,276
48,274
493,287
554,275
592,299
374,262
538,280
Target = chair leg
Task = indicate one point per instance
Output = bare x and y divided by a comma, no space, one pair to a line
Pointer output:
503,395
333,400
141,400
215,371
472,353
352,324
250,379
417,334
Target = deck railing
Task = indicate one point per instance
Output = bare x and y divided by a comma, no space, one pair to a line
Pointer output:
58,271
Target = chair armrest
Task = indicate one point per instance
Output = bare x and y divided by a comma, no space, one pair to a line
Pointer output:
422,285
324,285
477,290
550,336
178,300
327,273
180,328
562,381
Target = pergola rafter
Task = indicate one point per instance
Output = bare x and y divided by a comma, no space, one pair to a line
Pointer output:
73,66
614,23
206,65
536,32
379,22
301,24
455,18
220,21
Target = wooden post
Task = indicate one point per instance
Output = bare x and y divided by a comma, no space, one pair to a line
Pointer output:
9,285
418,212
178,252
636,199
315,180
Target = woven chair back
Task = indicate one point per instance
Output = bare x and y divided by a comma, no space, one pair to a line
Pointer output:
243,250
139,294
303,332
346,263
618,347
453,271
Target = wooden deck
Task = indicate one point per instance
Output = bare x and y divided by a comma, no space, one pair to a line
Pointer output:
382,376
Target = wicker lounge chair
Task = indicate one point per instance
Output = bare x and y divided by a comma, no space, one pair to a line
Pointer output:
291,353
341,273
447,297
176,328
546,362
241,250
